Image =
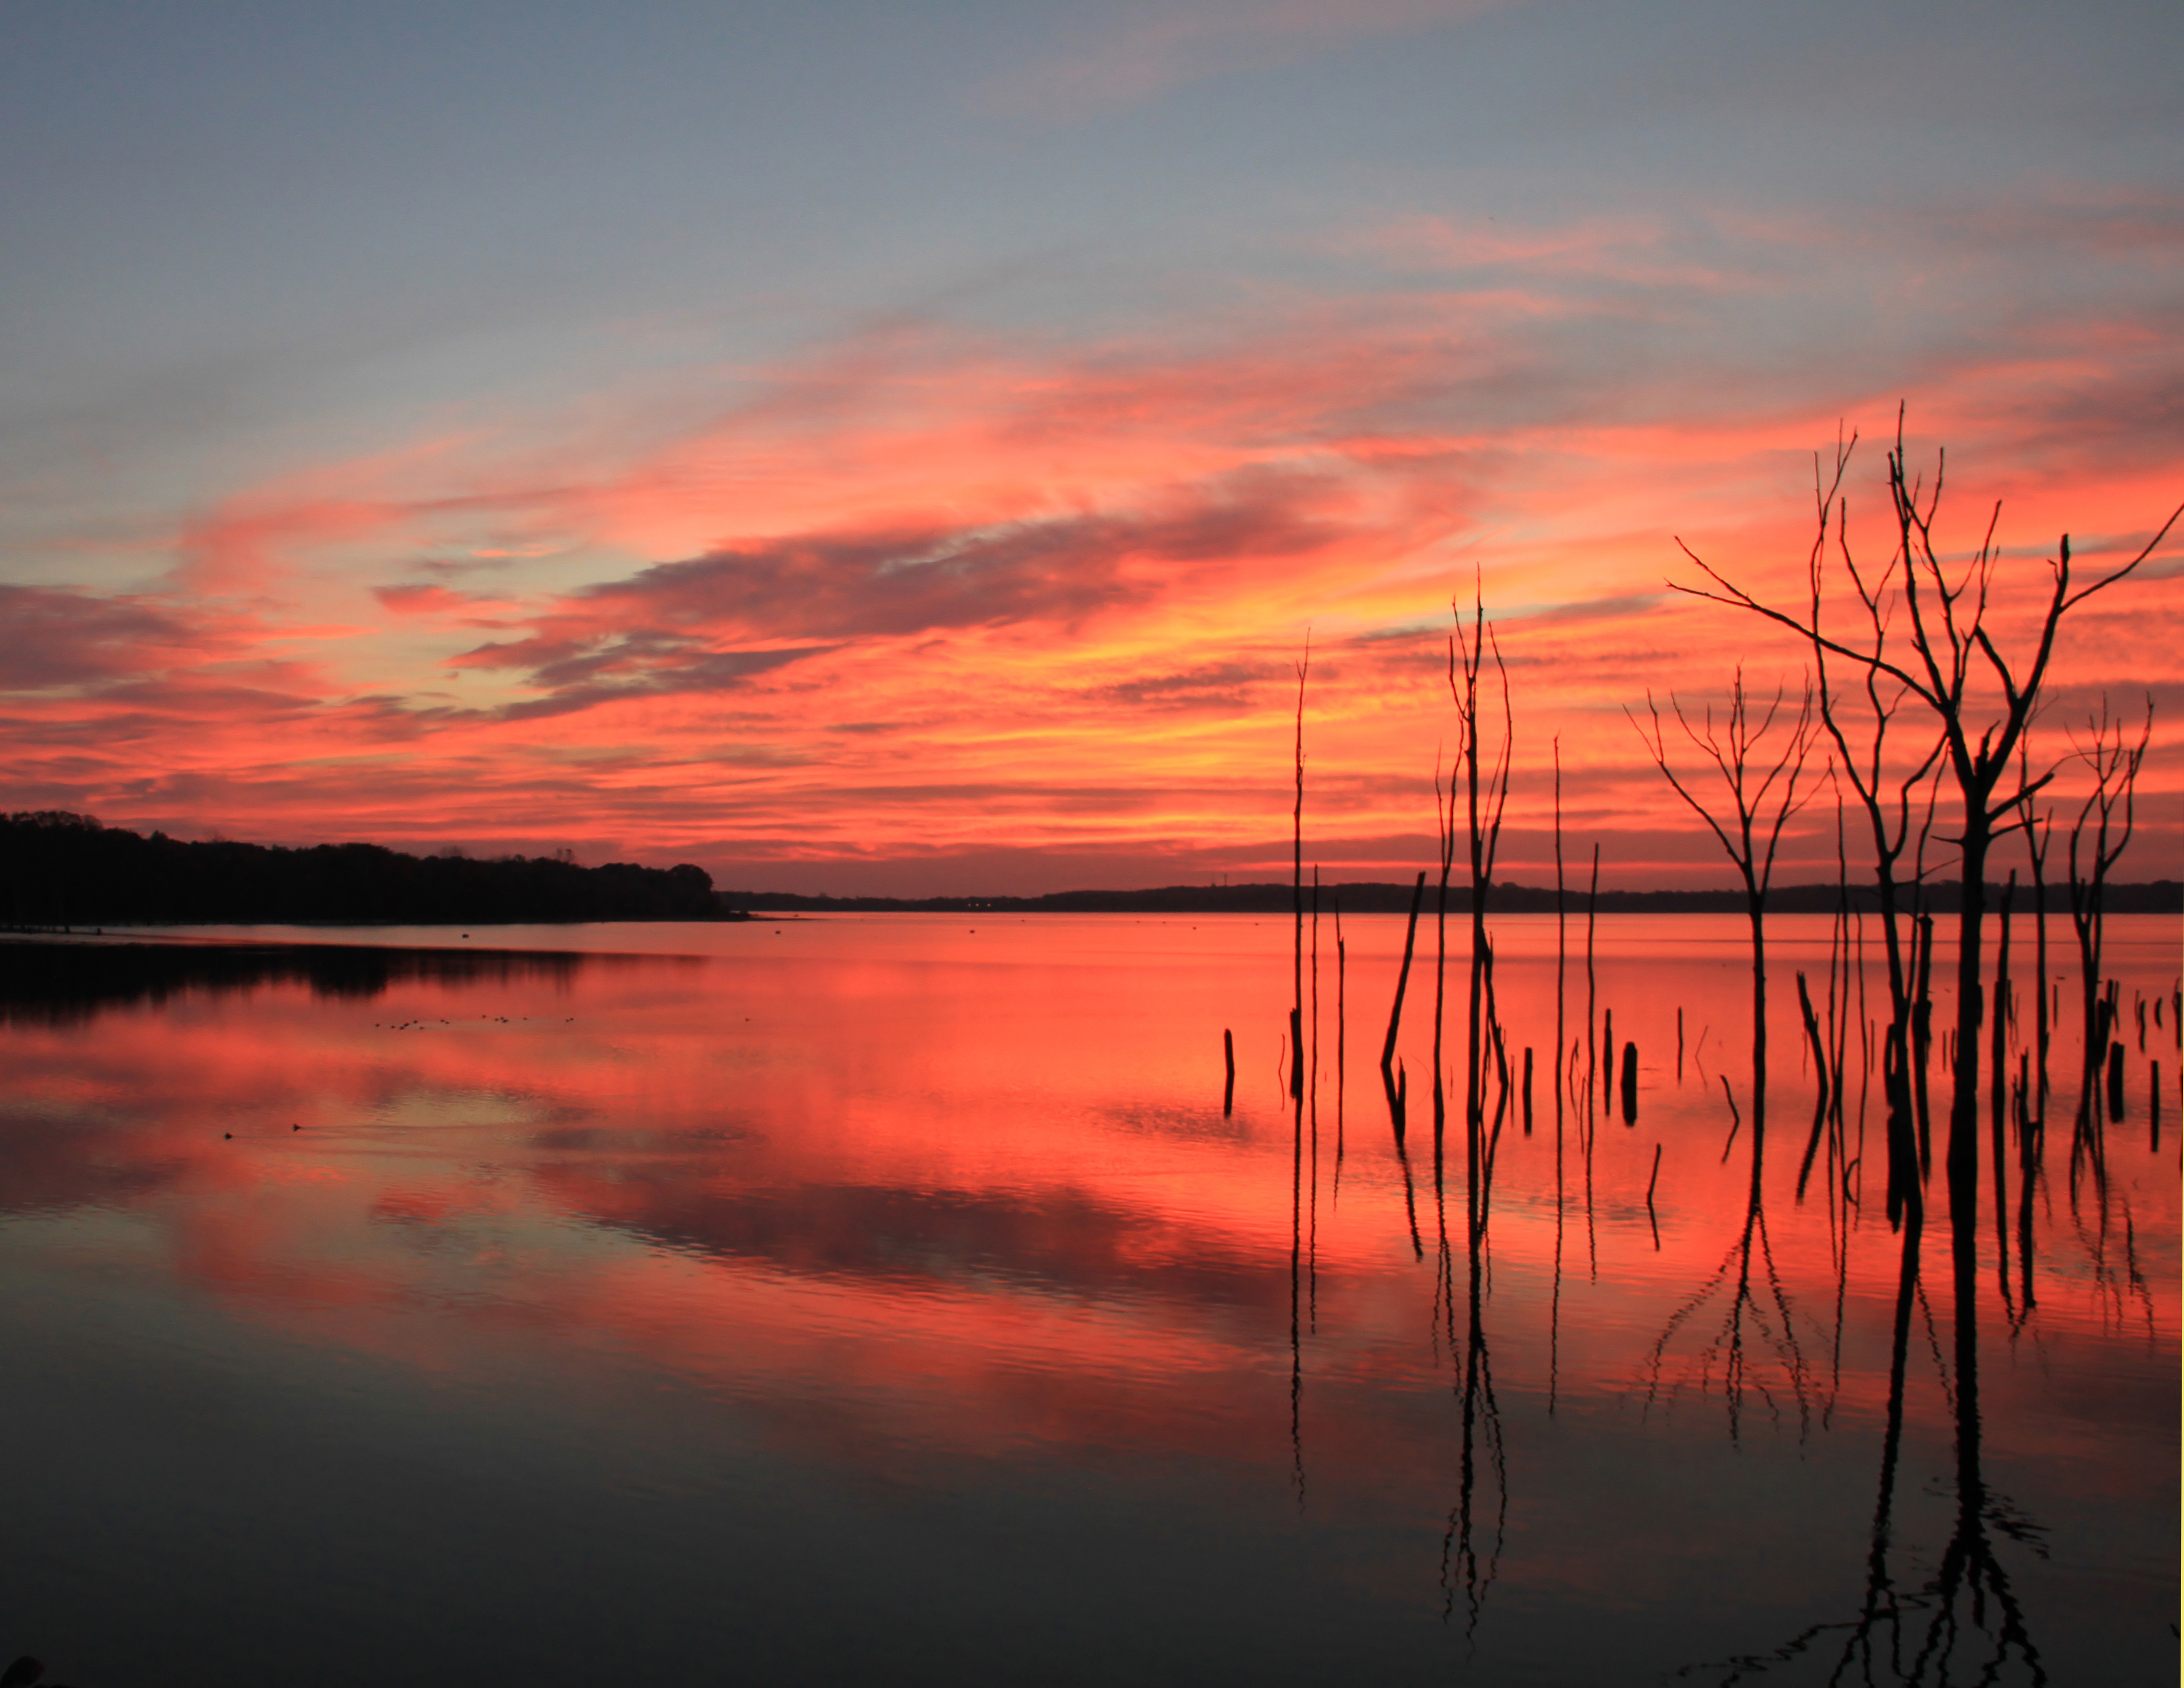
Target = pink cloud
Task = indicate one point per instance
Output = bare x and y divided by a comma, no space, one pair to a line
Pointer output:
423,600
930,597
51,638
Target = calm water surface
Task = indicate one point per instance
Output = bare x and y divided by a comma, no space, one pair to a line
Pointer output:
892,1299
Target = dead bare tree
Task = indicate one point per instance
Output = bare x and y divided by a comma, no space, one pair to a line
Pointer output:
2038,824
1983,702
1485,796
2099,837
1858,716
1296,891
1485,804
1444,843
1740,748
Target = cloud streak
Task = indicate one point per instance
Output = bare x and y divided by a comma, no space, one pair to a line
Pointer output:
923,593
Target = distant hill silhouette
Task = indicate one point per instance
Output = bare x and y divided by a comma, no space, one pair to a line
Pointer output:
2161,896
58,869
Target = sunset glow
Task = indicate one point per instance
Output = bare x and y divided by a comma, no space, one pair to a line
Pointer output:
930,484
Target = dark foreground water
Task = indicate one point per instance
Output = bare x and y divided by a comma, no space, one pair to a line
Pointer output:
886,1300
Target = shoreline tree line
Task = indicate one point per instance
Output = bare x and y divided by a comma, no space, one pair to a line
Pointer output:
58,869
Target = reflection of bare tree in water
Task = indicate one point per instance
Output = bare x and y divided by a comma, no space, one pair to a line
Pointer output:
1297,1077
1962,1623
1918,638
1462,1564
1756,1331
1983,705
1758,768
1471,1550
1737,1332
2115,1290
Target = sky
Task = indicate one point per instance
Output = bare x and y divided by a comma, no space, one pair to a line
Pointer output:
908,448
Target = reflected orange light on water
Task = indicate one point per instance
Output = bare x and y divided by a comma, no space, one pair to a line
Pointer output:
907,1197
1028,1146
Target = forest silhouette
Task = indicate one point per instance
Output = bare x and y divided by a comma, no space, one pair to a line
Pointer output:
60,869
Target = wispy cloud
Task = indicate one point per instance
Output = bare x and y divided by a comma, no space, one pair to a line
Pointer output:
922,592
56,637
1124,56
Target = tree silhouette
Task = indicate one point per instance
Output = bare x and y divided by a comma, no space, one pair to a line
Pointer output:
1740,746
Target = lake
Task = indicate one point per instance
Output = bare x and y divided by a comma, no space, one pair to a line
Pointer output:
893,1298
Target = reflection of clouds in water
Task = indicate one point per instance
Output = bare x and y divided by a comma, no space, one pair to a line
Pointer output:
1066,1242
914,1224
53,1165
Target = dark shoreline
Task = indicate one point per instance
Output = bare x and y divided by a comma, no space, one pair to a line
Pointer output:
62,870
2159,896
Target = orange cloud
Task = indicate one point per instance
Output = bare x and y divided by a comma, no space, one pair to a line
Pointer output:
929,597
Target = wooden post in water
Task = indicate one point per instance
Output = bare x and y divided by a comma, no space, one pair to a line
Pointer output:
2116,1082
1631,1083
1228,1061
1341,1038
1528,1089
1607,1062
1403,976
1397,1089
1296,899
1818,1047
1592,986
1561,963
